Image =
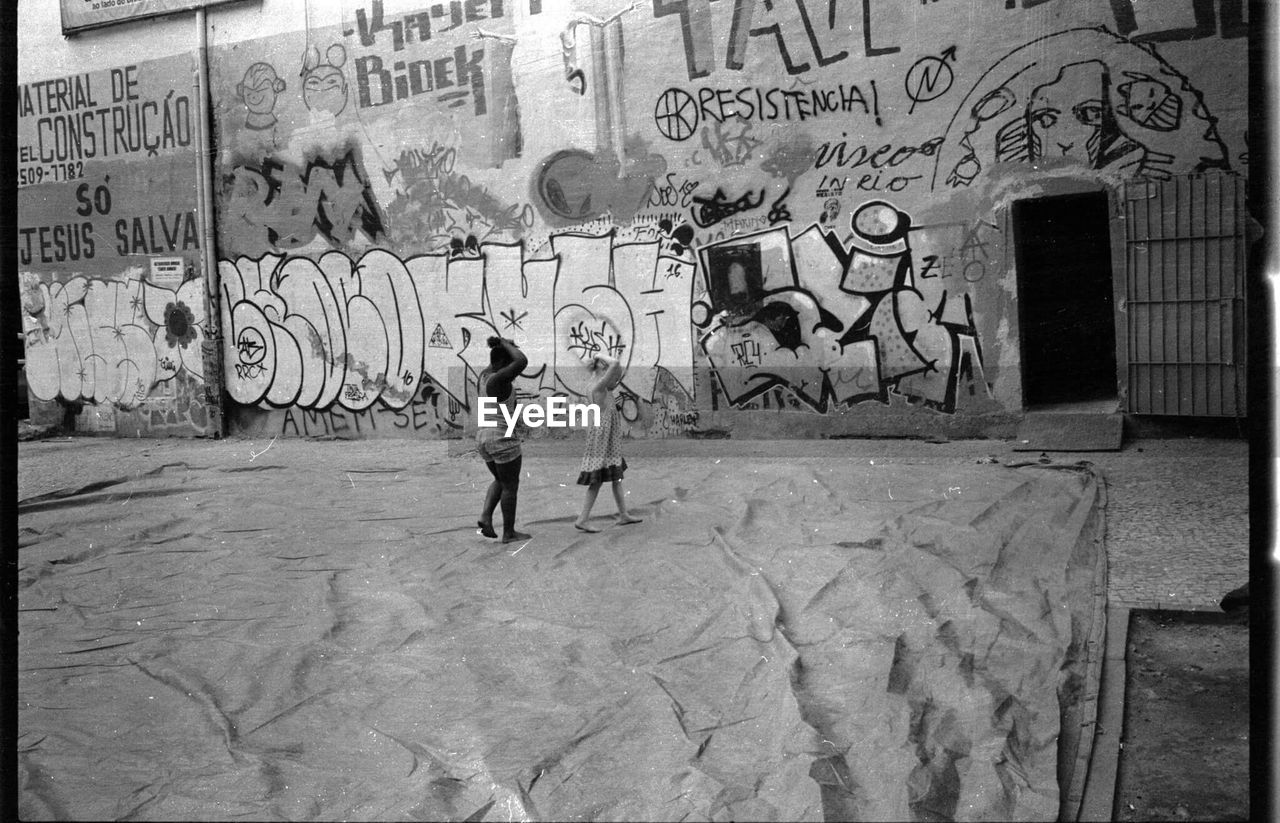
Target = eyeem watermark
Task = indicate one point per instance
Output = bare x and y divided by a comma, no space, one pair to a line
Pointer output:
558,414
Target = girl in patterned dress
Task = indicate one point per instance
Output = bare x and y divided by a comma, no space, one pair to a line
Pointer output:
603,458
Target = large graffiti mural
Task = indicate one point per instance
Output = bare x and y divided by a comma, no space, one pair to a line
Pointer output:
791,206
834,322
271,203
338,331
440,208
114,342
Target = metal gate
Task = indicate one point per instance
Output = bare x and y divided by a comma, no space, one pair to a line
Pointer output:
1184,272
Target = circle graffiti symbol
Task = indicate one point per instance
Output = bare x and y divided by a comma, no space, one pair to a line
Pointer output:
251,346
630,408
566,183
974,265
877,221
676,114
928,79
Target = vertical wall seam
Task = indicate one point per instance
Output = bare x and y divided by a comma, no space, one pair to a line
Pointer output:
204,186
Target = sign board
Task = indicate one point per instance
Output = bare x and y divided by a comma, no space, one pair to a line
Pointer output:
78,15
167,271
107,170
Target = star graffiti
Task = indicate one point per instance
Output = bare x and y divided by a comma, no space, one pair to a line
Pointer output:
513,319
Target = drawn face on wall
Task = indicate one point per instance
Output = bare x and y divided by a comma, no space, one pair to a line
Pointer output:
260,88
1126,110
260,100
259,91
325,89
1149,103
324,86
1062,118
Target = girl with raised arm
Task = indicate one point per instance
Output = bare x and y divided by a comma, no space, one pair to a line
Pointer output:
603,461
498,451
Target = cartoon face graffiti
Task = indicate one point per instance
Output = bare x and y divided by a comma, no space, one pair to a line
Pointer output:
1126,111
324,86
1149,103
258,92
1064,117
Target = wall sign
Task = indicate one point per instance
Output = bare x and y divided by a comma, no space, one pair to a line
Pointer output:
78,15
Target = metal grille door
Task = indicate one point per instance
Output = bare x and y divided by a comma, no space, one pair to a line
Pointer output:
1184,261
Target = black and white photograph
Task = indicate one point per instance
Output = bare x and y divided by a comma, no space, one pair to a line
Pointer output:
640,410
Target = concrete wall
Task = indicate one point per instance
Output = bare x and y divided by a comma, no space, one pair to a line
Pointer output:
788,218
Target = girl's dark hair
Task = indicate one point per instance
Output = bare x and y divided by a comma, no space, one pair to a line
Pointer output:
499,357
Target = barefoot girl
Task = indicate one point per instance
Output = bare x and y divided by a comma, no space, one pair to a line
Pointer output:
501,453
603,458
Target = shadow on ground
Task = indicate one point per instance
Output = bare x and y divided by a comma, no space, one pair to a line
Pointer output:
1185,754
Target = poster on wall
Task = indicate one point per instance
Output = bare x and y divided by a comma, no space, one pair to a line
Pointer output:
78,15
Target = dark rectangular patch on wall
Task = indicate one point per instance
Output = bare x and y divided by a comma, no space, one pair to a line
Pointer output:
736,276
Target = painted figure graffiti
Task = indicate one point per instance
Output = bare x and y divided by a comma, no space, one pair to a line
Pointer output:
1126,111
258,91
830,211
324,86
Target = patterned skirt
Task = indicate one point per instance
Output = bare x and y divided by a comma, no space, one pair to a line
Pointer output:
605,474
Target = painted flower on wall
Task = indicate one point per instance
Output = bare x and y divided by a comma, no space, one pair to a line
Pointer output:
179,336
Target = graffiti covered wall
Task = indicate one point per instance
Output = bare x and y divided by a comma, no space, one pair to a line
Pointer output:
109,250
783,215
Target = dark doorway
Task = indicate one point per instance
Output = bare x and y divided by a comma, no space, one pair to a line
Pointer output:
1065,299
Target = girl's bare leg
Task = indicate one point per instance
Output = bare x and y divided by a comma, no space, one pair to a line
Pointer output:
491,497
581,523
624,518
508,475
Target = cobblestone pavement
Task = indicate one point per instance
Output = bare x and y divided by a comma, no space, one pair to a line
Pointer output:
1177,510
1177,522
